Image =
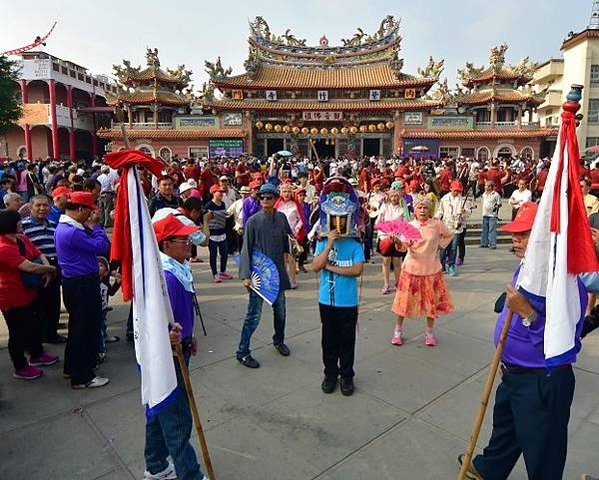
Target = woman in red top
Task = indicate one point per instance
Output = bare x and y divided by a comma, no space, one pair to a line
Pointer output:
17,301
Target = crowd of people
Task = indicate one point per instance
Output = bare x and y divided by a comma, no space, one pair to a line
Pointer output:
54,244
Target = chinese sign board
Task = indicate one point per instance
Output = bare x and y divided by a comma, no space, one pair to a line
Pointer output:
412,118
326,116
197,123
225,148
323,95
451,123
375,95
271,95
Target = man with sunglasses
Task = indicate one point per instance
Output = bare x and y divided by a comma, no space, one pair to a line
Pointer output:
267,231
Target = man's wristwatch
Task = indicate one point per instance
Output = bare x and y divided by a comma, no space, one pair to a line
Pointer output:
530,319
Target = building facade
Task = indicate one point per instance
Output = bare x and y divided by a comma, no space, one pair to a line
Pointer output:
62,105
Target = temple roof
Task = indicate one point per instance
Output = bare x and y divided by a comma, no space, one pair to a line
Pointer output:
481,97
298,105
147,97
481,134
177,78
378,76
503,74
115,134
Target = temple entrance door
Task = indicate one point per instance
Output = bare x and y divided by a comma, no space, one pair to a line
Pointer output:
371,147
324,149
274,145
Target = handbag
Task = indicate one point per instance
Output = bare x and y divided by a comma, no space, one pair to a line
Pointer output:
30,280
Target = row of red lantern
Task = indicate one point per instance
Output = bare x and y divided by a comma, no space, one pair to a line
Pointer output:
324,130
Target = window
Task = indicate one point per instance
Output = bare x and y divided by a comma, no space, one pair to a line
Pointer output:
483,154
592,141
198,152
594,74
165,154
527,153
504,152
593,115
468,152
449,152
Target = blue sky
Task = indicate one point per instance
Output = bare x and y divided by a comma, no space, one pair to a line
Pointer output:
101,33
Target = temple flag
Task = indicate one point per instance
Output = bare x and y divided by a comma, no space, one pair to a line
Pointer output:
560,245
134,245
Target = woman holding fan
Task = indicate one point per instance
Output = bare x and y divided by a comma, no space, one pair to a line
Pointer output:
422,290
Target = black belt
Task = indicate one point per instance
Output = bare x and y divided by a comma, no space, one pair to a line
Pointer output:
83,277
518,370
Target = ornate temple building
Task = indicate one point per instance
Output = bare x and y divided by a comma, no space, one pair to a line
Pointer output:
352,99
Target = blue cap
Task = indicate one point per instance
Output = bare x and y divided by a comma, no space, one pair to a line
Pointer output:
269,188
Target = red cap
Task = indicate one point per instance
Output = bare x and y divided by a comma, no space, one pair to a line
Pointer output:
216,188
414,184
257,176
171,226
58,192
255,184
524,219
83,198
456,185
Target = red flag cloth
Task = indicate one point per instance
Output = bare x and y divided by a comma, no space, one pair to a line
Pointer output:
581,248
121,249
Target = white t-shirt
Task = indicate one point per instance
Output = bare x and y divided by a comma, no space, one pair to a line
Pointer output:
520,198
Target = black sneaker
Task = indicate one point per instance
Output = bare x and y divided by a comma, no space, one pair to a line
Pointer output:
283,349
249,361
347,386
471,472
329,384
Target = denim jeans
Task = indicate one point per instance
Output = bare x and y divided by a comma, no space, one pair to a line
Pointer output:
447,255
218,248
168,433
252,320
489,233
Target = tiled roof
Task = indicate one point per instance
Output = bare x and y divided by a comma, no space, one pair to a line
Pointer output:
375,76
504,74
151,74
480,134
115,134
296,106
145,97
487,96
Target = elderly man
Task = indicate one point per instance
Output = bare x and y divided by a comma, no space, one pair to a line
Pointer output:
40,231
108,179
235,210
79,241
60,196
532,405
267,231
13,201
491,203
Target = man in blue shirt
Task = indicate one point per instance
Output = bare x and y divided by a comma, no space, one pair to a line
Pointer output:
60,196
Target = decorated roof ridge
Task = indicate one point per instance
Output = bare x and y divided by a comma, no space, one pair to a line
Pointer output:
153,96
261,36
521,72
480,134
128,74
494,93
174,134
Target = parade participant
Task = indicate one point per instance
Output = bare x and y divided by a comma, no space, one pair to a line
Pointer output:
300,196
40,231
185,190
340,260
13,201
165,196
218,238
108,180
242,173
191,171
19,256
422,290
60,196
374,201
109,285
251,205
430,192
491,203
235,211
5,187
268,232
395,208
497,176
229,194
168,431
519,197
310,189
454,209
79,240
294,212
532,407
591,202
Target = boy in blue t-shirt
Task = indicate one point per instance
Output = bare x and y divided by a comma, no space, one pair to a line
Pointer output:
340,262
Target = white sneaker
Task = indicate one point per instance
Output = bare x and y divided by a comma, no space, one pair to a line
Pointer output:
168,473
97,382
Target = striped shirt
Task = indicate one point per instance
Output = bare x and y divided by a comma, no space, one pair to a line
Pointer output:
41,235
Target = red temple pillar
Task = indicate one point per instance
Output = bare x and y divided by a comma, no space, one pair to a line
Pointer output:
72,127
53,120
92,99
25,100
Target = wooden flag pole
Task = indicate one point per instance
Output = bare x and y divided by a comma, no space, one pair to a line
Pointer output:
315,152
195,414
120,116
484,401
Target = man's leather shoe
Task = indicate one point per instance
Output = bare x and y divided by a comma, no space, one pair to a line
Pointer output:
347,386
329,384
249,361
283,349
471,473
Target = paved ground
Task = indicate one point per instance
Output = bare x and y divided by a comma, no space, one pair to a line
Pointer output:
410,416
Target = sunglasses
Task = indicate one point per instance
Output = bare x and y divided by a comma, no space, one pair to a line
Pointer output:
266,197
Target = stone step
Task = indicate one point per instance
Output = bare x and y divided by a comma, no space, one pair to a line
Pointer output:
476,240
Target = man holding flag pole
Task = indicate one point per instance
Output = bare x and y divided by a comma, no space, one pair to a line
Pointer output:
540,325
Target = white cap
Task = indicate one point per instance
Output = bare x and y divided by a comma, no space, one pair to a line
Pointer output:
191,182
184,187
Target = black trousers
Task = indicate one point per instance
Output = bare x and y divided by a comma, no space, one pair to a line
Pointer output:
48,306
24,333
530,417
462,244
84,304
338,340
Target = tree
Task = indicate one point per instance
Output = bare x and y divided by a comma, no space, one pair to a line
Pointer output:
10,106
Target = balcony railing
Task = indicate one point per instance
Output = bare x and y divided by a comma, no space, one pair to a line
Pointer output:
144,125
506,125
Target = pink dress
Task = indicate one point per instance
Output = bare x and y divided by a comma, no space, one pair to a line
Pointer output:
422,290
